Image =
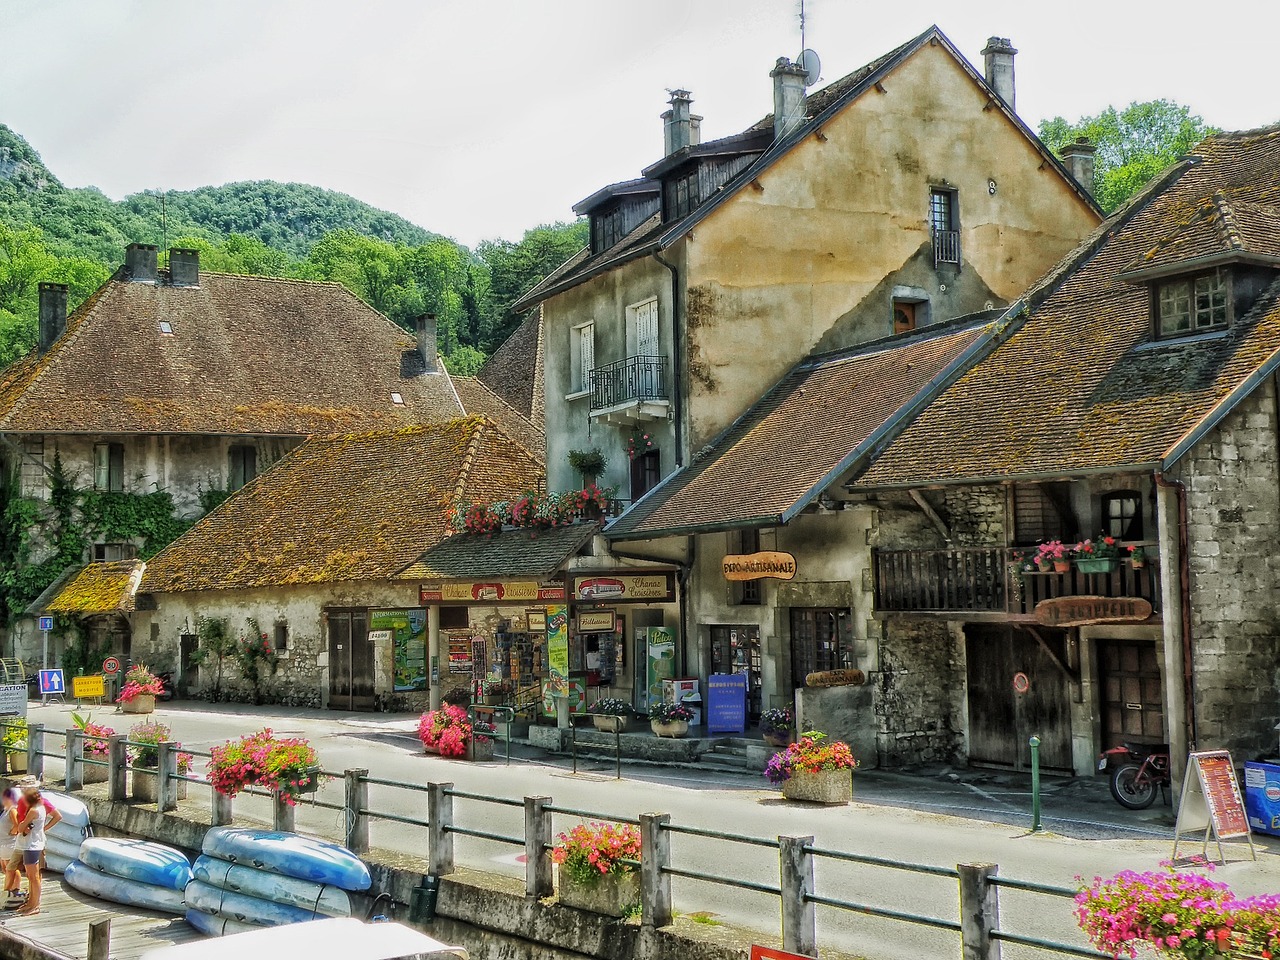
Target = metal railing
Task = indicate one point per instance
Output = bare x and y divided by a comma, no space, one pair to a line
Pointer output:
635,378
946,246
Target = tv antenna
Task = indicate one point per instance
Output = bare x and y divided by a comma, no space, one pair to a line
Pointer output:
808,59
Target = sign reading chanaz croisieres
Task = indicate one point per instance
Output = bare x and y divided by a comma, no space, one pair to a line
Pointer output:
758,566
1079,611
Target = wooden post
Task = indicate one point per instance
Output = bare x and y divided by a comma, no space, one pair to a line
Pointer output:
655,883
799,918
35,750
221,810
117,767
100,939
440,819
538,880
357,803
75,759
166,770
282,814
979,911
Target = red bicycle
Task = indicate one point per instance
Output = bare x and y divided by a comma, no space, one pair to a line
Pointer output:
1138,772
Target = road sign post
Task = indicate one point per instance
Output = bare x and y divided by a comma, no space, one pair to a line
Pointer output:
46,625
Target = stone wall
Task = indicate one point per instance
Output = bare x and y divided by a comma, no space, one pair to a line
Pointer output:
975,515
842,713
1233,505
920,693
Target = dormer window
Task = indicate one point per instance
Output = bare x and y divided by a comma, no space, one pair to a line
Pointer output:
1190,305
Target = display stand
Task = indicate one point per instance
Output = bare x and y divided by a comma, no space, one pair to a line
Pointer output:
1210,802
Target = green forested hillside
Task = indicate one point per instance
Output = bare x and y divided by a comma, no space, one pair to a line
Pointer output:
77,236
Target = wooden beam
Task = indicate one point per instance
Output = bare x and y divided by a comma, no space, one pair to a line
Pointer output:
1049,652
927,509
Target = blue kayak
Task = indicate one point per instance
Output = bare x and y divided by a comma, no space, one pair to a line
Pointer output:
289,854
132,893
240,878
139,860
212,926
243,908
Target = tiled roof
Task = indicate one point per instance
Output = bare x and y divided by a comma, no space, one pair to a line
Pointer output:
96,588
512,554
247,355
1082,385
514,372
803,433
478,400
1219,229
356,507
820,105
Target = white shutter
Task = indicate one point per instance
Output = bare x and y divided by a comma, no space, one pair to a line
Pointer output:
647,329
586,355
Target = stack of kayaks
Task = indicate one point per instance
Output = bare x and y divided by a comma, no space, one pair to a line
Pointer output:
62,843
264,878
133,872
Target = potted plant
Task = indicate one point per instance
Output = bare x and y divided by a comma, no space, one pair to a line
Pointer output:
95,747
141,687
775,726
285,766
814,769
589,463
446,731
593,873
144,756
609,714
1053,556
480,743
670,719
1097,556
15,743
1137,557
494,690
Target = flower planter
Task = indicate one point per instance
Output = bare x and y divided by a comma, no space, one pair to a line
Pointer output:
1103,565
1138,564
144,786
1045,566
17,761
608,724
1062,566
479,749
777,739
142,703
96,774
612,894
825,786
673,728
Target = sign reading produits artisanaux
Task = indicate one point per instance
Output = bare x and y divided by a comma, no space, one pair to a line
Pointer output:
492,591
836,678
758,566
1081,611
625,587
597,621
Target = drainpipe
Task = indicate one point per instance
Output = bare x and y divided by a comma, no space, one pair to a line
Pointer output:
677,356
1179,489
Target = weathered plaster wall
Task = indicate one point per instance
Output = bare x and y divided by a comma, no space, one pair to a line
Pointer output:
1233,504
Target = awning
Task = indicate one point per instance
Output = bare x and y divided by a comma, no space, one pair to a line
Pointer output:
520,554
93,590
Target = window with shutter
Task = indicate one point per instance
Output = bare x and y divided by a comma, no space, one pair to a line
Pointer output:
586,355
643,336
108,467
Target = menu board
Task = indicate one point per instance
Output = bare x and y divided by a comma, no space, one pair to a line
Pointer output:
1222,794
459,652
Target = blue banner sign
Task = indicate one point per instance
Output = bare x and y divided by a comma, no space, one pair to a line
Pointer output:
727,703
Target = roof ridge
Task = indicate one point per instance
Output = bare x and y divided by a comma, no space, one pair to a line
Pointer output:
1225,221
468,459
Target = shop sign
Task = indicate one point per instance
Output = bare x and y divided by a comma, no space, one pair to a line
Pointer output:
558,649
1082,611
661,644
836,678
537,620
625,588
405,632
758,566
597,621
491,591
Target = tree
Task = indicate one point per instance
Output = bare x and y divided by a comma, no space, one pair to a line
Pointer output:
515,267
1134,144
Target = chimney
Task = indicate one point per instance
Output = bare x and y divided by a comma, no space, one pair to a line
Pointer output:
997,61
53,313
427,346
788,97
680,128
140,262
1077,156
184,267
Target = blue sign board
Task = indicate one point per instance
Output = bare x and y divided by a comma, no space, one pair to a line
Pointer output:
727,703
1262,797
46,624
51,683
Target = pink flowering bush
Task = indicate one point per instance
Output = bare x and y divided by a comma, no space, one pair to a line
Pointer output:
590,850
95,736
284,766
446,730
138,681
1176,915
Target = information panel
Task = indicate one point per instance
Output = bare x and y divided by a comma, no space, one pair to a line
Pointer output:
13,700
727,703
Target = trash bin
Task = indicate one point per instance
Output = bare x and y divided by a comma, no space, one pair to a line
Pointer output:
1262,796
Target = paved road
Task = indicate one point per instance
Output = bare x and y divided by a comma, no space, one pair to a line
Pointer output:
942,820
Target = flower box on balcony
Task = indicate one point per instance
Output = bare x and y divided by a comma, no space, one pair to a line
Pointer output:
1102,565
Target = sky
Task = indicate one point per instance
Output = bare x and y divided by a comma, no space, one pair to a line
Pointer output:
478,119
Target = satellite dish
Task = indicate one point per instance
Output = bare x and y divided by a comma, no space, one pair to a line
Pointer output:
812,66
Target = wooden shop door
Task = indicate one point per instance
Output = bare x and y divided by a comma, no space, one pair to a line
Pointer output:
1132,698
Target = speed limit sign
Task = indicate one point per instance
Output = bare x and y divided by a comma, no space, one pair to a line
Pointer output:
1021,683
111,666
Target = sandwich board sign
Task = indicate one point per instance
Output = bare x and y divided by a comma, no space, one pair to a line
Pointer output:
13,700
1211,802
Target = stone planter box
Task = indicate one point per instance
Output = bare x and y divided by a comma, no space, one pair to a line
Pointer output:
825,786
479,749
146,786
607,724
612,895
17,761
96,774
776,739
673,728
142,703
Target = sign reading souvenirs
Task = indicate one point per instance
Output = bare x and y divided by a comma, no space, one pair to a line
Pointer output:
758,566
597,621
492,591
1210,802
1081,611
625,587
836,678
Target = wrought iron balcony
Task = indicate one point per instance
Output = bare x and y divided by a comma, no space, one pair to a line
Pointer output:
946,246
630,391
994,580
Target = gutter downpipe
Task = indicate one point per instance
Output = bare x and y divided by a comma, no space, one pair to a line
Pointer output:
1184,591
677,356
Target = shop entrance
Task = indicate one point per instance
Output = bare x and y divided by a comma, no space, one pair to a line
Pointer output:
350,660
1132,698
737,650
1001,720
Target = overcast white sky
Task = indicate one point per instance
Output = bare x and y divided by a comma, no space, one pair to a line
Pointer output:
479,118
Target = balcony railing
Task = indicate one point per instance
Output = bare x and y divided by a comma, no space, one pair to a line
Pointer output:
946,246
993,580
634,379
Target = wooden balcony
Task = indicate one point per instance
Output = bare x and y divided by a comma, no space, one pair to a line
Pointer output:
990,582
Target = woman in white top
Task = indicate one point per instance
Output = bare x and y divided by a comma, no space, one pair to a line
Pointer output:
32,846
9,856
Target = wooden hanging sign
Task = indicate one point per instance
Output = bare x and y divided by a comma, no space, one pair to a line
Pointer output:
758,566
1081,611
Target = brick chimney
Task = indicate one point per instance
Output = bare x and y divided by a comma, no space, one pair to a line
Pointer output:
997,61
184,267
788,97
53,314
680,128
425,327
140,262
1077,156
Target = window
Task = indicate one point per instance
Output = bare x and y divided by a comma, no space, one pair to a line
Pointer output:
1041,512
243,466
942,225
645,473
607,229
1193,305
1122,515
642,329
166,328
747,591
904,316
31,476
583,351
282,635
821,639
682,194
454,618
108,466
108,552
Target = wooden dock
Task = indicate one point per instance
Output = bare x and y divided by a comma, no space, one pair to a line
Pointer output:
62,926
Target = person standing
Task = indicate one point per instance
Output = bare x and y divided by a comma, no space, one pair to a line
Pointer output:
32,842
10,827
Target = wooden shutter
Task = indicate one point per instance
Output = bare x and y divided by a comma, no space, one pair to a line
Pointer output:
647,329
586,354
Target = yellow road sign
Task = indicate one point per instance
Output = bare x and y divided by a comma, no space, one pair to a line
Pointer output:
83,688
